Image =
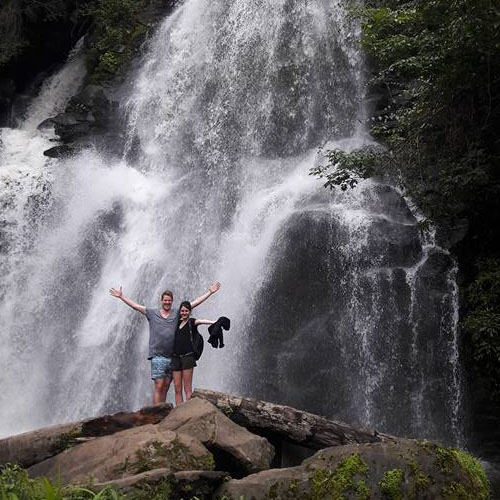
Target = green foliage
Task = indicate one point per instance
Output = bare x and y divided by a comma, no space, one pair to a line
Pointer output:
117,28
16,485
390,484
15,19
346,169
482,323
438,64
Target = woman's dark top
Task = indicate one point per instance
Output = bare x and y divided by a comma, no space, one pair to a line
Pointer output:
183,343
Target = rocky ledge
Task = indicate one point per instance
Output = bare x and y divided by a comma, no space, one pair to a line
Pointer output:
218,446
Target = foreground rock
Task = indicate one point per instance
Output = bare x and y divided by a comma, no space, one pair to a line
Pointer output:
174,486
175,456
124,454
32,447
300,427
235,448
397,470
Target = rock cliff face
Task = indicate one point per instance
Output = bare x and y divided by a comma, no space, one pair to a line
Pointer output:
44,35
197,451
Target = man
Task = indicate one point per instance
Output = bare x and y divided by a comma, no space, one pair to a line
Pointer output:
162,325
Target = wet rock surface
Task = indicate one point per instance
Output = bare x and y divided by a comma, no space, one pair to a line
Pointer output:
342,354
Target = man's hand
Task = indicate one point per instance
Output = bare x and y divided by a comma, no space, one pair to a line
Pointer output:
214,288
116,293
119,295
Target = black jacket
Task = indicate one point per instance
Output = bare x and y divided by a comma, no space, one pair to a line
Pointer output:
216,337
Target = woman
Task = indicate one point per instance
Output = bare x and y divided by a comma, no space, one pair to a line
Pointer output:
184,359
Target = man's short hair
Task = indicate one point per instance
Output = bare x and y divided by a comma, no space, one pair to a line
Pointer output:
169,293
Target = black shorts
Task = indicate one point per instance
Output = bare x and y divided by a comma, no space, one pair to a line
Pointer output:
184,362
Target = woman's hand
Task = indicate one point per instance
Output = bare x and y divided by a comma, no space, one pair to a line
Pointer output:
214,288
116,293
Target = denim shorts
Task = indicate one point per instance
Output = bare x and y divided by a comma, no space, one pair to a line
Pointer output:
161,367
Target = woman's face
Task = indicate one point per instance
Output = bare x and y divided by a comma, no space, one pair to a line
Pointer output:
184,312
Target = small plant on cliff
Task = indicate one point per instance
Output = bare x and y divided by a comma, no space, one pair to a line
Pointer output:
482,324
390,484
117,26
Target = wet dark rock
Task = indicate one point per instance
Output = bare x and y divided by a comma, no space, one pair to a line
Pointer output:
48,123
7,94
90,113
70,126
452,232
63,151
390,201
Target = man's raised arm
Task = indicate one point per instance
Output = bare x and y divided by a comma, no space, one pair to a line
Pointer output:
119,294
213,289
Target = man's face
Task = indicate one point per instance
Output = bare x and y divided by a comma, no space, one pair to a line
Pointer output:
166,302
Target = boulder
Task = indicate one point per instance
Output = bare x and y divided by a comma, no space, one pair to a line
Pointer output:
72,125
32,447
90,112
235,449
126,453
397,470
174,486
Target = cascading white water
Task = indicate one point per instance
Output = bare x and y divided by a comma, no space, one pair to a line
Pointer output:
326,292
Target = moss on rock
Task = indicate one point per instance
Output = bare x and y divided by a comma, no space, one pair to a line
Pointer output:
156,455
327,484
66,440
390,484
448,460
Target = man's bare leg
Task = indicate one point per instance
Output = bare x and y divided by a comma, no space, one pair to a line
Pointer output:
160,390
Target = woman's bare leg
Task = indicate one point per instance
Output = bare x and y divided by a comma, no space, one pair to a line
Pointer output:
178,387
187,377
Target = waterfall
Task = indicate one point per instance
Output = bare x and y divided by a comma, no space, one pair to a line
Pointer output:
338,303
